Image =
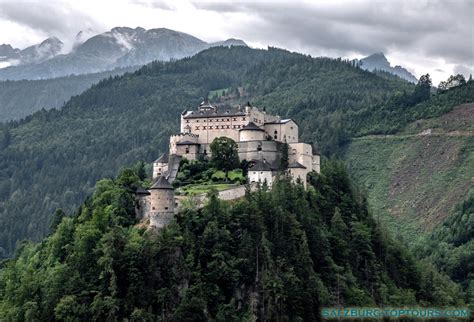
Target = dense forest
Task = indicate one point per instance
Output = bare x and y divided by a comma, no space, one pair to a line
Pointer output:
451,246
19,99
53,158
272,255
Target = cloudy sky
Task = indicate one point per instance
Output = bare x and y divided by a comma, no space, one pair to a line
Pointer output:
423,36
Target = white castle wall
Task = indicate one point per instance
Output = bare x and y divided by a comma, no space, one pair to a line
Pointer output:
260,176
159,168
251,135
302,153
316,163
283,132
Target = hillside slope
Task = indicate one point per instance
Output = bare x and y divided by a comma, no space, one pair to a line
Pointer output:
273,255
53,158
19,99
415,177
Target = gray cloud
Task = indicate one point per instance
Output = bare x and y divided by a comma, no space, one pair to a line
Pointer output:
435,28
418,33
48,18
462,69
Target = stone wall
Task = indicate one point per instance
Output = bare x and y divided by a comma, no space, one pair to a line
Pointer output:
160,219
260,176
283,131
251,135
302,153
159,168
198,201
260,150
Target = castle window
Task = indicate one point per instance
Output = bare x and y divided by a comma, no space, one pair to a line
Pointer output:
234,119
197,121
204,121
205,151
228,120
153,208
217,127
276,131
210,120
291,127
187,121
187,150
228,126
210,127
275,136
203,127
166,208
197,127
243,119
259,148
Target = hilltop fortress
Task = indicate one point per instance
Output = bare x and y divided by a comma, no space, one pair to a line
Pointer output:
260,137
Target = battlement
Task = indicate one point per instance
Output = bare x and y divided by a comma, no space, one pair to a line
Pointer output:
181,135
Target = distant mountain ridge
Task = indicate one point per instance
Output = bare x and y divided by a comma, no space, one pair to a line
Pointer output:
378,61
120,47
47,49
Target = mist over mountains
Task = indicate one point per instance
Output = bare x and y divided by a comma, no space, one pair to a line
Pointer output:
378,61
117,48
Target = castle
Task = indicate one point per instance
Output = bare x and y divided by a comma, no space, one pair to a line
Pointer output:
260,137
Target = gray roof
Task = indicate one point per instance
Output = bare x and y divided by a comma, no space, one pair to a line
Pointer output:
251,127
142,191
161,183
260,166
296,165
163,159
281,121
186,142
214,111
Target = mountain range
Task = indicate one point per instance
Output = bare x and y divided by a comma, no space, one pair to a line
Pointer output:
120,47
35,54
378,61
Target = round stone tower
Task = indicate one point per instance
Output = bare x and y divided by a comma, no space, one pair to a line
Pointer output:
161,205
251,132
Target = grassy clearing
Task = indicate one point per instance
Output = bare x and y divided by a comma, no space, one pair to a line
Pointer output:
412,183
219,92
233,175
217,181
194,189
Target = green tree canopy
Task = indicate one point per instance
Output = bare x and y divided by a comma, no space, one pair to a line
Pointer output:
224,154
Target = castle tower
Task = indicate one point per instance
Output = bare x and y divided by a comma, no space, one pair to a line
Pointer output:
251,132
160,166
142,207
297,170
161,207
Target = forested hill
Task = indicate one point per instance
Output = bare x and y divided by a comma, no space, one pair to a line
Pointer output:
24,97
273,255
53,158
